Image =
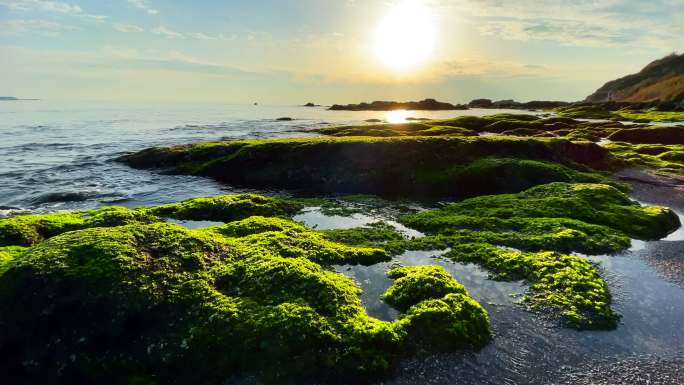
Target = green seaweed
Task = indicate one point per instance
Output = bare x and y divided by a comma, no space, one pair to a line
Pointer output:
591,218
28,230
7,255
158,302
402,166
414,284
568,284
227,208
660,158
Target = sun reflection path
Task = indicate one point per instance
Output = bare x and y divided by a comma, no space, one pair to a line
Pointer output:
397,116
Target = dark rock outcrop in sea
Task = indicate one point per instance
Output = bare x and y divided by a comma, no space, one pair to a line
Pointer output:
426,105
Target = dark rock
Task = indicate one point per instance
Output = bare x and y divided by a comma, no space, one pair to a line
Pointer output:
426,105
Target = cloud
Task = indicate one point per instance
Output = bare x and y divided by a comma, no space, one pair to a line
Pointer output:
128,28
169,34
607,23
144,5
51,7
41,27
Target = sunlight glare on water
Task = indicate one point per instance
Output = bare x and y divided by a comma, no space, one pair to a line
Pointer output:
397,116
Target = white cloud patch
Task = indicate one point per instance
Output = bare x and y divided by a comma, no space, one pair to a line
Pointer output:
168,33
40,27
128,28
50,7
144,5
593,23
171,34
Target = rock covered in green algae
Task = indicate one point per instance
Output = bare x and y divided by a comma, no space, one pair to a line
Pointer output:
650,135
227,208
27,230
504,124
563,217
661,158
570,285
158,303
409,166
590,218
414,284
441,311
7,255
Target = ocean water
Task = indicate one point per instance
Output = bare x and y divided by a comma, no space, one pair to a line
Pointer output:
59,156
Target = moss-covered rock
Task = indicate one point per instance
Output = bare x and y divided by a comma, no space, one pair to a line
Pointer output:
590,218
650,135
227,208
158,303
409,166
414,284
564,285
659,158
7,255
28,230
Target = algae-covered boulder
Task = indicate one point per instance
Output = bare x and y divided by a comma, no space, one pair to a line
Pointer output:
562,286
413,166
157,303
652,135
441,312
27,230
414,284
227,208
592,218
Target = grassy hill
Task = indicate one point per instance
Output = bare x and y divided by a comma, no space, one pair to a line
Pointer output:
661,80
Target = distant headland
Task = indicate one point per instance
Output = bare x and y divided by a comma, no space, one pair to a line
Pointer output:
12,98
425,105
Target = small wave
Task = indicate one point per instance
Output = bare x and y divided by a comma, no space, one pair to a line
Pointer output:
65,196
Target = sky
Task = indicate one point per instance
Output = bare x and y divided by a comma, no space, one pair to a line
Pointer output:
325,51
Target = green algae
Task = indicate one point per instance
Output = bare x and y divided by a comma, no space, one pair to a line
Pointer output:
7,255
414,284
652,115
567,284
650,135
576,211
402,166
28,230
661,158
227,208
161,303
595,111
260,235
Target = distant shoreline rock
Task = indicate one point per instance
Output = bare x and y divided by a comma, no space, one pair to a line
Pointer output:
424,105
512,104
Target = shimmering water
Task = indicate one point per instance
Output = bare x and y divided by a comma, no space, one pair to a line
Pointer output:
56,156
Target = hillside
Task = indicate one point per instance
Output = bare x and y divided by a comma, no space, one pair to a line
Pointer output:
662,81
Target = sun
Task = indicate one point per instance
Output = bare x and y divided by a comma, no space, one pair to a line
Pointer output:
405,37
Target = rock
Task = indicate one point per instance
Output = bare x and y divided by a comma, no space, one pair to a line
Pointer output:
427,105
284,119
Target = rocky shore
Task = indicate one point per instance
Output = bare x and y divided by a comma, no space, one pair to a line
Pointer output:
123,295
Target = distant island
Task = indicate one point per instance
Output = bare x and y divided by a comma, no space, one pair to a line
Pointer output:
512,104
425,105
12,98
